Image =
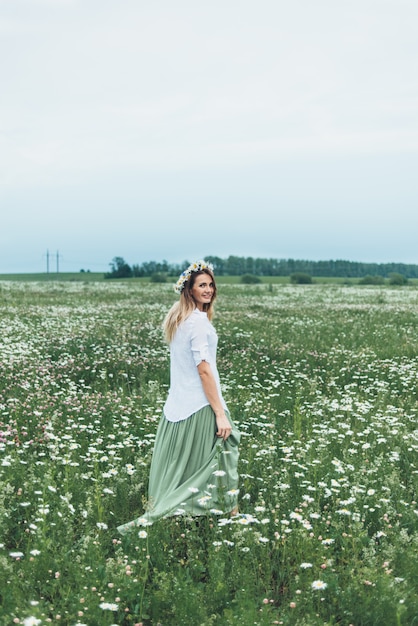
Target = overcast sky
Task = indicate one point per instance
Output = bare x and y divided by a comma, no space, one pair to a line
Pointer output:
157,129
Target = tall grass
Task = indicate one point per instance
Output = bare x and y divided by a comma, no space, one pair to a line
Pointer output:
322,382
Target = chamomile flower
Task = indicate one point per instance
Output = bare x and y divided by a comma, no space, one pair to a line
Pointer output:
318,585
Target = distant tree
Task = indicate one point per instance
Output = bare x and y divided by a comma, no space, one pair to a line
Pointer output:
237,266
137,270
397,279
119,269
250,279
300,278
371,280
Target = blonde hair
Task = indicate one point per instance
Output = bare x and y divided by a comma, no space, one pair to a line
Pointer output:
181,310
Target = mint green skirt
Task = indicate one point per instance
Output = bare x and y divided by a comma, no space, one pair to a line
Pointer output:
193,472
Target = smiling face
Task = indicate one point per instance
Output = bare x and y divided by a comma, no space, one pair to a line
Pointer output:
202,290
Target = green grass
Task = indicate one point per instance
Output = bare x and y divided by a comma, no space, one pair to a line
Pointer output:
54,276
227,280
321,381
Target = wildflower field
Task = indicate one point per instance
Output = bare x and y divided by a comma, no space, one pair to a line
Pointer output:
322,382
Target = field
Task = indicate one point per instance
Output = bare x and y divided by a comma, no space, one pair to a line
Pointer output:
322,382
228,280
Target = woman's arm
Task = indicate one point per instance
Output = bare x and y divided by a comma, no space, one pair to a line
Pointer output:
211,392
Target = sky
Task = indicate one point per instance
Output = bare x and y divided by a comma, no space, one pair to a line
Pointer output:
159,130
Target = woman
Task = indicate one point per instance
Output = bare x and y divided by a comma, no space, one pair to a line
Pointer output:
194,463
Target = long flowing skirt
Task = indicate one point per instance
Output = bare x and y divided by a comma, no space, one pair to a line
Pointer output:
192,472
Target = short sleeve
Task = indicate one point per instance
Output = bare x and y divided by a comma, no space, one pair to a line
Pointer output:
200,340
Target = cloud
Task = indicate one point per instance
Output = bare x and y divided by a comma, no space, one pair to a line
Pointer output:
223,105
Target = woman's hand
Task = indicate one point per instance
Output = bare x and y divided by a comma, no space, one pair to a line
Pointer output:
209,387
223,426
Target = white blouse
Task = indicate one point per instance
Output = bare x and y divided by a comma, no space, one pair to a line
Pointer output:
195,341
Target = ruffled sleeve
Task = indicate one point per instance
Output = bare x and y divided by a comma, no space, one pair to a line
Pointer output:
200,339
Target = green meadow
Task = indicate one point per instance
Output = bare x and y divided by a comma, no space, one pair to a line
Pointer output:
322,382
223,280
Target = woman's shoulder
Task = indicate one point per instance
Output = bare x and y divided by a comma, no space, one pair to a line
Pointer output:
196,319
197,316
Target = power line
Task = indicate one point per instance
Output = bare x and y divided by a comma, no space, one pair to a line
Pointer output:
57,260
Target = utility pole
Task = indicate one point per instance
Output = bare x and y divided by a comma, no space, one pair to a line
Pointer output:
47,261
58,262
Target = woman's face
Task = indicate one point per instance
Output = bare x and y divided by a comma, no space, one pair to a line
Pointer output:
202,290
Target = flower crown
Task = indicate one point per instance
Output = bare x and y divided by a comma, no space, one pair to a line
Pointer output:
198,266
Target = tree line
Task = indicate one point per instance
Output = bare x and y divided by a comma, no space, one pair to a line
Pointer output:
238,266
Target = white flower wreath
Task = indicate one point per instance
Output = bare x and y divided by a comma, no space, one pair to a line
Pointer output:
197,266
